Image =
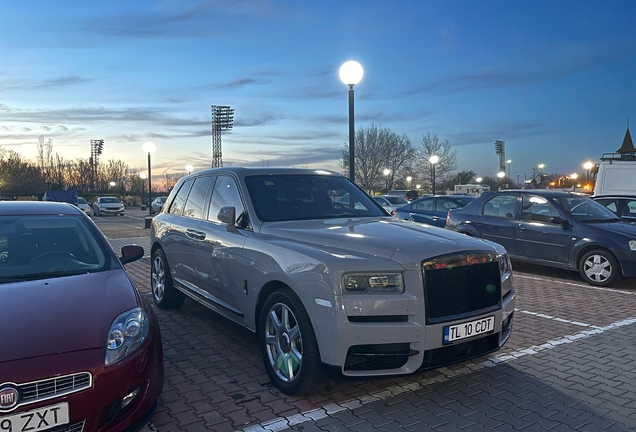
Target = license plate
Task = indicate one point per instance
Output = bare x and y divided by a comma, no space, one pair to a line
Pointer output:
36,420
469,329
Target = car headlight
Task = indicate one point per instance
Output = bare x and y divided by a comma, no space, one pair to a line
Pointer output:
373,283
632,244
127,332
505,266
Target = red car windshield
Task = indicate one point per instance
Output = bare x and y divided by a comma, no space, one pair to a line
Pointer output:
43,246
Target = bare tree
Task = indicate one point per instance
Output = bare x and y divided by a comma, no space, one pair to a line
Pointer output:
444,168
377,149
19,177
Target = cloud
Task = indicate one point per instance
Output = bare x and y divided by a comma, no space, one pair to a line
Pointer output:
506,131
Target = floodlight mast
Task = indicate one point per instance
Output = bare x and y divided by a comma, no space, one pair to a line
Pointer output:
97,145
222,119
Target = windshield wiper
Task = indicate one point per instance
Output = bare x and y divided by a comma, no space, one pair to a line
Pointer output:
42,275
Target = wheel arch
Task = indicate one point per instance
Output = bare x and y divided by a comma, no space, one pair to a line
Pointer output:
591,247
265,292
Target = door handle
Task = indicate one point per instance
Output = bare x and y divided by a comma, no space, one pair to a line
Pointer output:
435,217
522,228
195,235
479,223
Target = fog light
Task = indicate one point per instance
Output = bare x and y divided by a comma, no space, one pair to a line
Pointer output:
126,400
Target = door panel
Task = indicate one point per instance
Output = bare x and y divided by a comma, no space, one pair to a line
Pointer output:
495,221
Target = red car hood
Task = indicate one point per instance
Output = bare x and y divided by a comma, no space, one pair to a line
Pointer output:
58,315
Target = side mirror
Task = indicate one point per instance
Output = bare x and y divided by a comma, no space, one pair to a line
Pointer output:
227,215
131,253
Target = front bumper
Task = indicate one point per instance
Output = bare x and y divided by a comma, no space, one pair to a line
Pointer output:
99,407
390,333
111,211
627,259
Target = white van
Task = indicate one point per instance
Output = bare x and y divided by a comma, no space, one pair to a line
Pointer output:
616,175
471,189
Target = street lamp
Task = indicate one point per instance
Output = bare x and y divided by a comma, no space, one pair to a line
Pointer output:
508,162
351,73
588,166
433,160
386,173
112,184
408,181
189,169
501,174
149,148
541,166
142,176
478,180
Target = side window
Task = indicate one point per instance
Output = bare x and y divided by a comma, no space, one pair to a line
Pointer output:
425,205
444,205
500,206
631,208
177,203
610,204
196,200
538,209
225,194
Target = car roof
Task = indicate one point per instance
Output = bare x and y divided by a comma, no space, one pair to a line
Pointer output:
614,196
249,171
542,192
37,208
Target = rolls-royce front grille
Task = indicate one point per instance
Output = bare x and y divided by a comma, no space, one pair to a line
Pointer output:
461,285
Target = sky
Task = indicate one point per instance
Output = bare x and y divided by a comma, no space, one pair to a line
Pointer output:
555,80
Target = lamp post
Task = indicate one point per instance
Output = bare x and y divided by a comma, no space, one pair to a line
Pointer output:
149,148
408,181
351,73
189,169
386,173
588,166
433,160
541,166
142,176
508,162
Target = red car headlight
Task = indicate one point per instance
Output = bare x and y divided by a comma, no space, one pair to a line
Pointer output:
127,332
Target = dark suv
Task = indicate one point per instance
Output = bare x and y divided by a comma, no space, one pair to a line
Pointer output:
553,228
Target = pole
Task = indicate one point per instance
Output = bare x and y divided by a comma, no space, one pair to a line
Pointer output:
149,187
433,179
352,153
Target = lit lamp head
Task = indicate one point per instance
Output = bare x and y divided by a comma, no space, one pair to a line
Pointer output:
501,174
149,147
351,73
143,176
386,171
478,179
189,168
433,159
112,184
588,165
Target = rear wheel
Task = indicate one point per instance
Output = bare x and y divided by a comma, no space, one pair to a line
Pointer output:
165,295
599,267
288,345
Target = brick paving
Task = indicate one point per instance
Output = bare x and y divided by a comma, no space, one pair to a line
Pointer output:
570,365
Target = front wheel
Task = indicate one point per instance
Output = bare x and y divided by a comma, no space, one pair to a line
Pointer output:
599,267
288,345
165,295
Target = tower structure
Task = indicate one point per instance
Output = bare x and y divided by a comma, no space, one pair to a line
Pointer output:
97,145
222,119
500,149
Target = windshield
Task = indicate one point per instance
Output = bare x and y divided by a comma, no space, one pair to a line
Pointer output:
584,209
396,200
305,196
44,246
109,200
81,200
463,201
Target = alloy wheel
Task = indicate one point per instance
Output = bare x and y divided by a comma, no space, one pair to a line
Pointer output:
158,279
597,268
283,340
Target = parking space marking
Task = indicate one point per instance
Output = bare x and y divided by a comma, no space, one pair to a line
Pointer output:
446,374
612,290
561,320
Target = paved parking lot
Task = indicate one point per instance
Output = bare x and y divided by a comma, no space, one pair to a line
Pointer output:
570,365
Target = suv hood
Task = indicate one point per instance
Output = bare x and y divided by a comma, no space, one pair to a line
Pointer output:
390,238
58,315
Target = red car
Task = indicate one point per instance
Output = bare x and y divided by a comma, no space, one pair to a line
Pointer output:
79,348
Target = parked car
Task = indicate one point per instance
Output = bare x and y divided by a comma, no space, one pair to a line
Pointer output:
409,195
82,351
107,205
330,289
553,228
83,205
158,203
623,206
390,202
432,209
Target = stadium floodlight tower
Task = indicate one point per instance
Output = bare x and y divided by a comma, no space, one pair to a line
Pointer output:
97,146
222,119
500,149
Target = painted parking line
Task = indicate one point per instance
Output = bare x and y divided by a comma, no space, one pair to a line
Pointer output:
550,317
612,290
446,374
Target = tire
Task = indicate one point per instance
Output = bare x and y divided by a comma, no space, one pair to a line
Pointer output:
165,295
288,345
600,268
